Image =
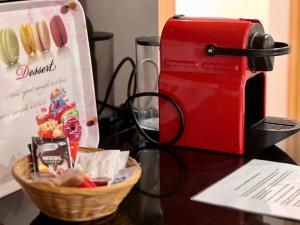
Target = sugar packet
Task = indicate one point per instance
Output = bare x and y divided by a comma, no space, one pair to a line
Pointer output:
122,175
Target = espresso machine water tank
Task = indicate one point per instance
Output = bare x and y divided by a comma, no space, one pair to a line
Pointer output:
148,64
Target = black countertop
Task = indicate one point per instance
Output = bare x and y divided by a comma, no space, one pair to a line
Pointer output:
170,177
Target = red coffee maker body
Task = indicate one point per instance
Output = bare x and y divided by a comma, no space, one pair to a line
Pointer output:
215,69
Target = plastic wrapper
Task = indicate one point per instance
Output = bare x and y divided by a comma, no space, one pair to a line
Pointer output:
70,178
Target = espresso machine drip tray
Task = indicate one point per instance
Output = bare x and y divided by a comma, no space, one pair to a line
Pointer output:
269,131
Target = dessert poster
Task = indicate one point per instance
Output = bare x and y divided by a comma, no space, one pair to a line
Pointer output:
46,79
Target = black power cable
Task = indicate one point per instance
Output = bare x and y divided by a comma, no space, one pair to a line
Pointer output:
132,78
107,105
129,102
128,109
111,82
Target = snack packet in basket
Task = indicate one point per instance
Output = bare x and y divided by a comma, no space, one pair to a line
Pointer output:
51,156
102,164
70,178
122,175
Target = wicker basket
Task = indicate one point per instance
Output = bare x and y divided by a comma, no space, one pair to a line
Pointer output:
70,203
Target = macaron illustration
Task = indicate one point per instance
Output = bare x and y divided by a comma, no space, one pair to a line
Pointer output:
26,35
41,36
9,46
58,31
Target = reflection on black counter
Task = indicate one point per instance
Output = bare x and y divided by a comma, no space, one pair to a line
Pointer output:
201,170
119,217
170,177
185,172
17,209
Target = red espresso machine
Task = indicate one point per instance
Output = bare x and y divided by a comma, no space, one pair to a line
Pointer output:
215,69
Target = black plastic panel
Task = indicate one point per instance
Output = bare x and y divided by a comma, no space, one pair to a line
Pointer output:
268,132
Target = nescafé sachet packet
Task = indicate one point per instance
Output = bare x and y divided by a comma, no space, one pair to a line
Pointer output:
51,156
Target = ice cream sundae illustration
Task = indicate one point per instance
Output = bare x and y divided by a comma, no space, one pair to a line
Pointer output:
60,119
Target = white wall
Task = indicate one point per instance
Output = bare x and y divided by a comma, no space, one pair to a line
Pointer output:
126,19
274,14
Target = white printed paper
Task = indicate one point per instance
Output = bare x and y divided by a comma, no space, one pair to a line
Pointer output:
101,164
260,186
121,164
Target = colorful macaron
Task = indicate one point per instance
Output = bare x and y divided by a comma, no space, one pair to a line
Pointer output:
9,46
41,36
58,31
26,35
